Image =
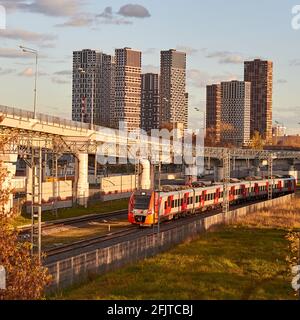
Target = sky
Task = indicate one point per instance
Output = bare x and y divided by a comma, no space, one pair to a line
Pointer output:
218,35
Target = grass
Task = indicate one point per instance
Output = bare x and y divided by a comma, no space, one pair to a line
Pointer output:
94,208
245,261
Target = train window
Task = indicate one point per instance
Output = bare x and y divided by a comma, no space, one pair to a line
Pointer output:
173,203
181,202
142,202
166,205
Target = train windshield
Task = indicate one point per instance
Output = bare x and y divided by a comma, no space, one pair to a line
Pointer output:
142,202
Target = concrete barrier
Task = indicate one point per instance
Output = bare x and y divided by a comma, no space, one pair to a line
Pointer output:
76,269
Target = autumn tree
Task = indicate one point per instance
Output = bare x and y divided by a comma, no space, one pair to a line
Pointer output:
26,279
257,141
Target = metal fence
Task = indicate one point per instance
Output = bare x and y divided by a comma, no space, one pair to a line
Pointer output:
73,270
16,113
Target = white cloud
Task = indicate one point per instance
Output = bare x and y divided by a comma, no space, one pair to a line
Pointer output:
227,57
13,53
56,8
29,72
188,50
200,79
6,71
23,35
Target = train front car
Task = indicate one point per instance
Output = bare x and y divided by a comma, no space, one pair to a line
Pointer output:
141,208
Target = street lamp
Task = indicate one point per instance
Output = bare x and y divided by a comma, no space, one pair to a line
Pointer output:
82,71
204,116
35,52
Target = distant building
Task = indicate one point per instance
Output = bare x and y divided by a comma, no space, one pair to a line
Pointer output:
278,130
235,112
260,74
128,89
150,102
93,68
173,98
213,113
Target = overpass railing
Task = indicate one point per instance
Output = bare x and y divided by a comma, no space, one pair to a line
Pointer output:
16,113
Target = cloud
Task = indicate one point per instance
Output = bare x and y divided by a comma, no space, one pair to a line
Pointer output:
188,50
60,81
149,51
63,73
82,20
200,79
13,53
55,8
23,35
29,72
4,72
134,11
295,63
149,68
226,57
108,17
282,81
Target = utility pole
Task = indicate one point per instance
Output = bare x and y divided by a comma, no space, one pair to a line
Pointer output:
34,52
226,180
36,204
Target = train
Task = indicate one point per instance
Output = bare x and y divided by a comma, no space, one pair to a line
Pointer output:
147,207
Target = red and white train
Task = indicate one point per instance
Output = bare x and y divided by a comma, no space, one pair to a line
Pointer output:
145,207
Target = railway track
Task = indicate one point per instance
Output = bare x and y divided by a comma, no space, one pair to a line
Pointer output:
53,226
91,241
135,231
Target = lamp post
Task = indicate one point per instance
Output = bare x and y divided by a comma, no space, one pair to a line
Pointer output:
204,116
34,52
82,71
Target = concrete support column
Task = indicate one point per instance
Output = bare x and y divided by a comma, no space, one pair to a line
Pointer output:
9,162
191,174
218,173
83,179
293,172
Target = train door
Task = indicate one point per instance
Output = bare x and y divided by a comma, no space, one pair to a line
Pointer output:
168,205
256,189
185,202
280,186
203,197
244,191
232,194
217,196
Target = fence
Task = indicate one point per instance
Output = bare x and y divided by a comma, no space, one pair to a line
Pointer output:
70,271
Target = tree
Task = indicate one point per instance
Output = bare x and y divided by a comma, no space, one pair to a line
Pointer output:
26,279
257,141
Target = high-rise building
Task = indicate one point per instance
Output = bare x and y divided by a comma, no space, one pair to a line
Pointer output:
93,87
173,97
213,113
235,112
128,89
260,74
150,102
107,87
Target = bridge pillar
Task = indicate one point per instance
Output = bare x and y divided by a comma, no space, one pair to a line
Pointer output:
293,172
83,179
218,173
9,163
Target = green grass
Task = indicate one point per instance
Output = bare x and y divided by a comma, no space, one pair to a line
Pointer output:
94,208
231,263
